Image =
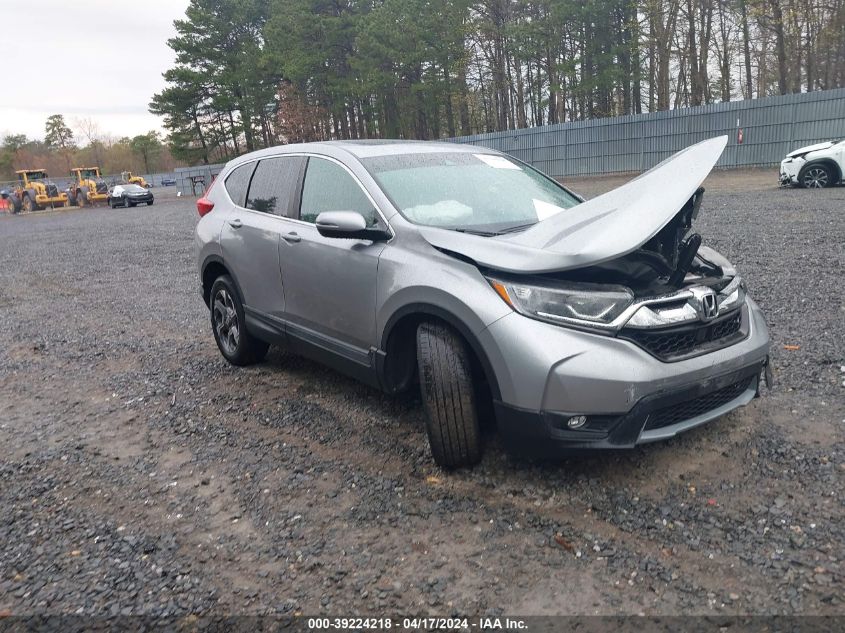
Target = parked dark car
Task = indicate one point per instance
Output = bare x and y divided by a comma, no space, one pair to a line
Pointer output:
168,182
129,196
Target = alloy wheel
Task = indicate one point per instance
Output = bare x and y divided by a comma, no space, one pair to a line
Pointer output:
226,321
815,178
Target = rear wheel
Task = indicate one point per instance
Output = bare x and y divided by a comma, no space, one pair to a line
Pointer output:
82,199
28,204
816,177
448,396
14,204
237,345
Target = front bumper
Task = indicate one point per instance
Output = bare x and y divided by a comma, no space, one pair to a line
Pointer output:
44,201
654,418
789,169
547,374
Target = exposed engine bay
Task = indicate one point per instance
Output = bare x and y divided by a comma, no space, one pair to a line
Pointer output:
672,259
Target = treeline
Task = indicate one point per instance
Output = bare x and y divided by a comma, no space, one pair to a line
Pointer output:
63,148
253,73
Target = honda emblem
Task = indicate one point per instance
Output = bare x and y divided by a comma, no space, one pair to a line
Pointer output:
709,306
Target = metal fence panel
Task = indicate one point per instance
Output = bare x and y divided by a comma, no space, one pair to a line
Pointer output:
771,127
192,181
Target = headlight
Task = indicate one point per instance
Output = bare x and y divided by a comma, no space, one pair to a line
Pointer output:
589,305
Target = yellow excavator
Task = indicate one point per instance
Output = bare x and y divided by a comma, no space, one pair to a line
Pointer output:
35,191
129,179
88,187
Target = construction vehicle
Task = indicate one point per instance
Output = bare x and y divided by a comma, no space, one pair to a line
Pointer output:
87,187
129,179
34,191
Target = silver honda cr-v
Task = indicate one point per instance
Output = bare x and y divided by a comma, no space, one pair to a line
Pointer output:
600,324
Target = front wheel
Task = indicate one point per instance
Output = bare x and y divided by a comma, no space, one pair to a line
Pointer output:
816,177
82,199
448,396
236,344
28,205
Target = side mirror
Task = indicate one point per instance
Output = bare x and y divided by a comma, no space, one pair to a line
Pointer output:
349,225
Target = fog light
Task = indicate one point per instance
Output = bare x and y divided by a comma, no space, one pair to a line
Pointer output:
576,421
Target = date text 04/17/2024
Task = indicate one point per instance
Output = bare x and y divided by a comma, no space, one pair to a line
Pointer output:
420,623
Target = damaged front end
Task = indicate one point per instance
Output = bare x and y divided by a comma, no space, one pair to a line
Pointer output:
624,264
672,297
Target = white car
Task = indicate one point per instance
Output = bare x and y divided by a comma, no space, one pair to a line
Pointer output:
814,166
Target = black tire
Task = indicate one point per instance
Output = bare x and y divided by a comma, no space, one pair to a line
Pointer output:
82,199
14,205
448,396
71,199
240,349
28,205
817,176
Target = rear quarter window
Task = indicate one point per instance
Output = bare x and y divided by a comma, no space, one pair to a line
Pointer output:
237,183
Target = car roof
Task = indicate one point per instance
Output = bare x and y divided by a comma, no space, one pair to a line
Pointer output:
365,148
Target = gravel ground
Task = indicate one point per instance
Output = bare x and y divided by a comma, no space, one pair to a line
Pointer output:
143,475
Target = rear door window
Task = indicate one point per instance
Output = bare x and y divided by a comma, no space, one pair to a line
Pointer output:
237,183
274,184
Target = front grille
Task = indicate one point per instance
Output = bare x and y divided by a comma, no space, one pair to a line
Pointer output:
688,340
52,191
683,411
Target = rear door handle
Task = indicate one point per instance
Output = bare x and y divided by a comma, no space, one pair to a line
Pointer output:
235,224
292,237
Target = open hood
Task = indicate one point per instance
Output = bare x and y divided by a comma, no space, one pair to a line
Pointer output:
604,228
810,148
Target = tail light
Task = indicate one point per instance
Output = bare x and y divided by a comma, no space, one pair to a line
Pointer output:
204,205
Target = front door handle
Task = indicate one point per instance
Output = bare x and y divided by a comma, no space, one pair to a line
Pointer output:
235,224
292,237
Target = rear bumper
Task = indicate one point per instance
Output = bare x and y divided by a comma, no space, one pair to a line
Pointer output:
659,416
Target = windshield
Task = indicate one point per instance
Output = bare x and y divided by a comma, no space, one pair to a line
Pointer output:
134,189
89,173
36,175
482,193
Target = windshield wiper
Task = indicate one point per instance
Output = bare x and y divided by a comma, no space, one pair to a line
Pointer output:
514,229
476,232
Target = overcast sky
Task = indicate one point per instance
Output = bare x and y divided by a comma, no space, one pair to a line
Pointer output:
98,59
